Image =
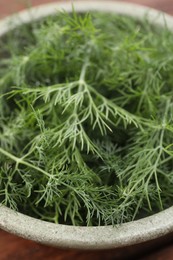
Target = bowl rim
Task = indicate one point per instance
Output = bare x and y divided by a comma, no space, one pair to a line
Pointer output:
101,237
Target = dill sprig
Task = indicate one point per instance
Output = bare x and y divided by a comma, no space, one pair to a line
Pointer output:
86,119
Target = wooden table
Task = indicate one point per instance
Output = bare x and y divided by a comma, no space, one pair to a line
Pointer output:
15,248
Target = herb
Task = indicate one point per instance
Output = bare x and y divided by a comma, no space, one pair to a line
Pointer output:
86,119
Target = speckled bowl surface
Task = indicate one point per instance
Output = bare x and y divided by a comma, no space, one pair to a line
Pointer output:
104,237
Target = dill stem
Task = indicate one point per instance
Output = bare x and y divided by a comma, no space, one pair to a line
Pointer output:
83,71
21,161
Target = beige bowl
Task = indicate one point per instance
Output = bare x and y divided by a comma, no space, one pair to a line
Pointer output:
104,237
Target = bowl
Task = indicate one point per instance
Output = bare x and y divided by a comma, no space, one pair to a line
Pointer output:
102,237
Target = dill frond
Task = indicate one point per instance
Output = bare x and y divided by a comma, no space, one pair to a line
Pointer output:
86,119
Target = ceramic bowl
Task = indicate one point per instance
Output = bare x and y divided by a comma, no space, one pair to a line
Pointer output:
103,237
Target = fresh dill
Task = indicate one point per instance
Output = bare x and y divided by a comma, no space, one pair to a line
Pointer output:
86,119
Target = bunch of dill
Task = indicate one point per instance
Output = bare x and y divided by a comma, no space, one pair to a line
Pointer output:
86,126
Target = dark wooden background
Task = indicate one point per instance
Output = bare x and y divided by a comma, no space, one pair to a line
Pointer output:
15,248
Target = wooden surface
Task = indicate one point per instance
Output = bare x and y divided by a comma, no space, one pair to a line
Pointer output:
15,248
10,6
